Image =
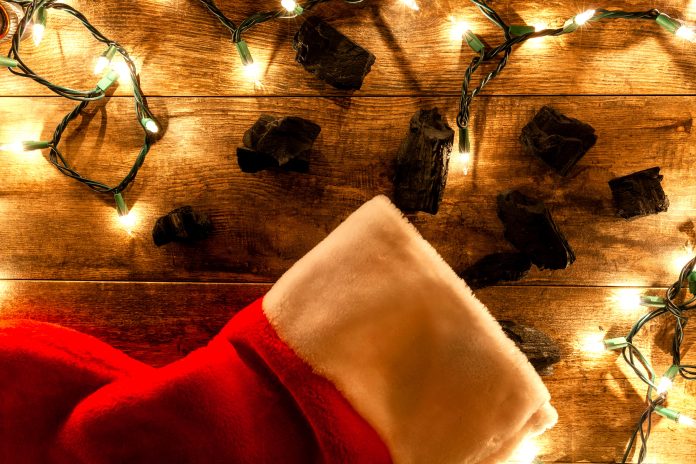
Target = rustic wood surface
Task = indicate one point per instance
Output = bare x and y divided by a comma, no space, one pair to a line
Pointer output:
64,258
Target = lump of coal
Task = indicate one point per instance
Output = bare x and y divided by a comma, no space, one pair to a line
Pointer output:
639,194
529,226
422,161
278,143
331,56
497,267
181,225
557,140
540,349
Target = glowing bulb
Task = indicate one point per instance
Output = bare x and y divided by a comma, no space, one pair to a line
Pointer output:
686,33
12,147
37,32
686,420
583,17
664,385
540,26
411,4
150,125
465,161
593,344
123,70
526,453
626,299
291,7
252,72
102,63
128,221
458,29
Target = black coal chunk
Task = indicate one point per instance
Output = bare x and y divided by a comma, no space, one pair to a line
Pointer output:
639,194
558,140
181,225
331,56
540,349
529,226
273,142
497,267
422,162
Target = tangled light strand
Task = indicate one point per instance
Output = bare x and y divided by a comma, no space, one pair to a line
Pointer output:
35,14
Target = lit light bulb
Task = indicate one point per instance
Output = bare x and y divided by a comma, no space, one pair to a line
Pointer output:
626,299
411,4
676,416
583,17
101,65
150,125
664,385
128,221
667,380
686,33
24,146
458,29
104,60
39,27
291,7
125,217
593,344
252,71
12,147
37,33
465,161
464,156
123,70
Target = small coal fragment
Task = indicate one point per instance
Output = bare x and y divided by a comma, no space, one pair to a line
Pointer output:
422,162
557,140
331,56
273,142
497,267
529,226
181,225
540,349
639,194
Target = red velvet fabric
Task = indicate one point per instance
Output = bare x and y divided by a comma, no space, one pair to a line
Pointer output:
66,397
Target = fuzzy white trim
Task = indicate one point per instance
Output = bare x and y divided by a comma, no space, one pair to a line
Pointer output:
377,311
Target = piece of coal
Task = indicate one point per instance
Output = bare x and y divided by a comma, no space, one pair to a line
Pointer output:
529,226
181,225
422,162
557,140
497,267
331,56
639,194
540,349
273,142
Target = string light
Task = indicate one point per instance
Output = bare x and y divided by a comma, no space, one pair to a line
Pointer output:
676,27
35,14
674,304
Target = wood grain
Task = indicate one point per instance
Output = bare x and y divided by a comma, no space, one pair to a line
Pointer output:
54,228
182,50
597,396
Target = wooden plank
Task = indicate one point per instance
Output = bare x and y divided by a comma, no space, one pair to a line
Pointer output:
54,228
597,396
183,50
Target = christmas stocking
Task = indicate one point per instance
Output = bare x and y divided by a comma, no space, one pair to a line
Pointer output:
369,350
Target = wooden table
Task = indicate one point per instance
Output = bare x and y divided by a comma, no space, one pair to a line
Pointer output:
64,258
